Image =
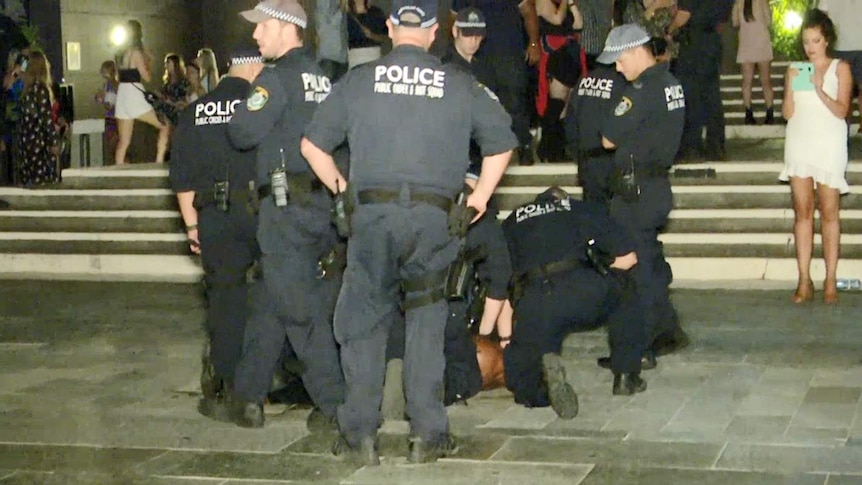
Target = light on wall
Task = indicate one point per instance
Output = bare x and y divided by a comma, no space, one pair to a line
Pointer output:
118,35
792,21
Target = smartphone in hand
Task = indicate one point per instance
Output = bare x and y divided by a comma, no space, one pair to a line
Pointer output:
804,80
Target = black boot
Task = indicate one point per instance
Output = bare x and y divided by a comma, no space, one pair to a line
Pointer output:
552,146
247,414
628,384
770,116
564,400
749,116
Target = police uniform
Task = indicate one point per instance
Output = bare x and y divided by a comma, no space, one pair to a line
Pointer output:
596,96
698,69
556,291
203,161
406,167
291,300
645,126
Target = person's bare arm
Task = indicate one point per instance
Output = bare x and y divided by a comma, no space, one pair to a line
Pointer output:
190,219
505,323
554,14
323,166
679,20
625,262
840,106
531,25
787,106
139,61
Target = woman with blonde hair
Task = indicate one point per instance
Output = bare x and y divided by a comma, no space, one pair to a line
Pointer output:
131,103
38,138
206,61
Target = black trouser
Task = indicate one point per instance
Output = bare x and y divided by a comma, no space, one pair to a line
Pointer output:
228,249
509,83
393,243
643,220
573,301
594,175
291,301
698,70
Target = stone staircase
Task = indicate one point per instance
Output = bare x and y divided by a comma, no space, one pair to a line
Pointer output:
732,223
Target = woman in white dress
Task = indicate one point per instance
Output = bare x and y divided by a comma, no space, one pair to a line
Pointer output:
131,103
815,150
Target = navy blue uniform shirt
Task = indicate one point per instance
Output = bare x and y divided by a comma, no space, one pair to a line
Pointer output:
280,103
408,120
541,233
646,124
594,99
201,153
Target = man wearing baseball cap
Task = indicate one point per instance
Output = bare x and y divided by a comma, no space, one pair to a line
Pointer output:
644,130
292,299
211,179
468,32
408,120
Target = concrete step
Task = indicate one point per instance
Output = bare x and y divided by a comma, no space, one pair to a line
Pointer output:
751,245
135,176
700,174
90,221
89,199
696,272
93,243
695,197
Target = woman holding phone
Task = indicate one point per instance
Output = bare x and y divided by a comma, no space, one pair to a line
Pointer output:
816,101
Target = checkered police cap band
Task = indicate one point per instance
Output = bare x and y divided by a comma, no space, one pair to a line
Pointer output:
628,45
238,61
278,14
470,25
412,16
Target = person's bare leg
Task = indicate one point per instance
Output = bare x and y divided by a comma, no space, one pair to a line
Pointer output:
802,192
830,230
747,81
125,128
164,134
766,82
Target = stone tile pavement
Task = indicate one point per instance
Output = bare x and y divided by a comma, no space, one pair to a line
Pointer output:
95,380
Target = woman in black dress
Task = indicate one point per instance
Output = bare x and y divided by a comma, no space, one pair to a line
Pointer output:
37,136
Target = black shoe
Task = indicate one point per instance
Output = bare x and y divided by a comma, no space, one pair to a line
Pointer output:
422,452
365,454
248,414
749,117
648,361
525,155
628,384
770,116
318,422
215,408
563,398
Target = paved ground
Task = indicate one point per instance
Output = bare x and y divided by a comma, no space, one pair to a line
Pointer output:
94,382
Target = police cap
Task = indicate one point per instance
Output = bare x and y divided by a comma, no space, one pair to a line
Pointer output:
470,22
245,54
289,11
552,194
414,13
620,39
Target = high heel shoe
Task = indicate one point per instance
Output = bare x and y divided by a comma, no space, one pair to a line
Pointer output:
804,293
830,292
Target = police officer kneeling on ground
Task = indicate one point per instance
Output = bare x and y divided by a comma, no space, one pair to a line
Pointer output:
571,265
211,179
644,131
293,299
408,120
595,97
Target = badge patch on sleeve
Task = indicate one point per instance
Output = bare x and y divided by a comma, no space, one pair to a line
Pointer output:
624,106
258,98
489,92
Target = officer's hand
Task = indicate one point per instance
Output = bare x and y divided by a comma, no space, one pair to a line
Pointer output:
194,241
479,203
533,55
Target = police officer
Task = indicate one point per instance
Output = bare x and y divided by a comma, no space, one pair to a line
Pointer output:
644,131
596,95
211,179
698,69
468,32
407,166
571,263
294,298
